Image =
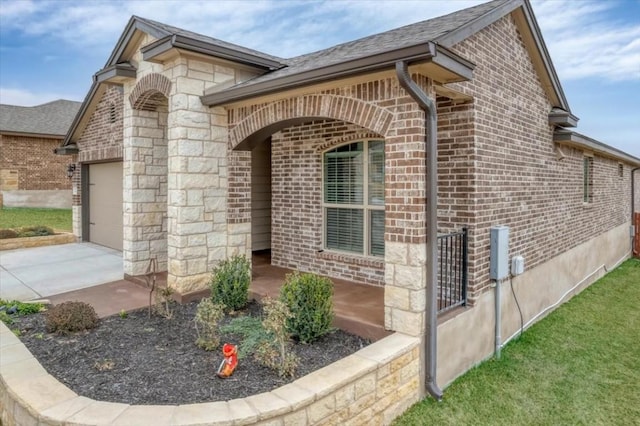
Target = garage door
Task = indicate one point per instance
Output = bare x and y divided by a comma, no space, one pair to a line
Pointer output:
105,204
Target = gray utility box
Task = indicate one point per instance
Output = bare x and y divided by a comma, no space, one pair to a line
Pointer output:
499,261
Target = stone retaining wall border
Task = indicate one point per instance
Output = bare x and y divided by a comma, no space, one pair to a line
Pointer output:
372,386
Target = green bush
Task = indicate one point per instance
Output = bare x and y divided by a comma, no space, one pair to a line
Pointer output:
69,317
277,352
309,298
8,233
22,308
230,283
251,332
208,316
35,231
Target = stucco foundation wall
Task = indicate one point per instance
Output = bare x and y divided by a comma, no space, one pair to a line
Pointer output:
51,199
372,386
470,336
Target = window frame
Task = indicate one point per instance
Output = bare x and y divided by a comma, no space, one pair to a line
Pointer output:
365,207
587,179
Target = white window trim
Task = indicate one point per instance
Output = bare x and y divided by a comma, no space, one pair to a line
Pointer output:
365,206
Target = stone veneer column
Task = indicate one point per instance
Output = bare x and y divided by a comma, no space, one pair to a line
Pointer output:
405,233
144,189
198,176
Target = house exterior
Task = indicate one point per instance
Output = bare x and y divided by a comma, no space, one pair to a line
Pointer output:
31,175
206,149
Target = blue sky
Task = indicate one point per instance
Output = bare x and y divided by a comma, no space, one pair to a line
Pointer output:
50,49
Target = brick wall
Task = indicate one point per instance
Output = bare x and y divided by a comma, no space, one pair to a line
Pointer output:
296,171
33,161
297,224
515,170
102,137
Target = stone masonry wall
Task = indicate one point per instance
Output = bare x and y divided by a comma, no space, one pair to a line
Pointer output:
28,163
518,175
373,386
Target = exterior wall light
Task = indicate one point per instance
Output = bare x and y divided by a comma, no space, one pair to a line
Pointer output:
71,168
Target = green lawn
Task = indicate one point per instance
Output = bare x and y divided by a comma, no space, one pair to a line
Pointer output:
578,366
58,219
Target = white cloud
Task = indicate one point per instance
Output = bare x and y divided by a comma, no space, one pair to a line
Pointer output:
23,97
581,36
585,41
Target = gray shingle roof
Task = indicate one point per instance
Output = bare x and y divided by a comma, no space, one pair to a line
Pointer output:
409,35
52,118
170,30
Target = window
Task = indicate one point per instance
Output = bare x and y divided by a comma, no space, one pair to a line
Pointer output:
353,198
587,185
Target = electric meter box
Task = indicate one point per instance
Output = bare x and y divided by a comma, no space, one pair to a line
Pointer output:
499,260
517,265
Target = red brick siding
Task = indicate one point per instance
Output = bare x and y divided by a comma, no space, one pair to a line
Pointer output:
514,170
33,158
380,105
102,138
297,226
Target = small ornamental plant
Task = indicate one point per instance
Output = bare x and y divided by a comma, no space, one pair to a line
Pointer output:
70,317
276,353
309,298
230,283
207,320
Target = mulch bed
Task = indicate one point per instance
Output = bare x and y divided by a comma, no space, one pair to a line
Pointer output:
156,361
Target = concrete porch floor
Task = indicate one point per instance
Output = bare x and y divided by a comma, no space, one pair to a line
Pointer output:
359,308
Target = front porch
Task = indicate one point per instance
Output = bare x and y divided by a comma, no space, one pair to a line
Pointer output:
359,308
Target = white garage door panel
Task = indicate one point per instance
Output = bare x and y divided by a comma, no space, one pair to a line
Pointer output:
105,204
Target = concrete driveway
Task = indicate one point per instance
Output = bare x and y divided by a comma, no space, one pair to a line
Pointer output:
39,272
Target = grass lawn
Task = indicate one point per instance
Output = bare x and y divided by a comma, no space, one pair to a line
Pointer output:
579,365
18,217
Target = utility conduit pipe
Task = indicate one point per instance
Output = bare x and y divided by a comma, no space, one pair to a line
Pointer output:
566,293
431,329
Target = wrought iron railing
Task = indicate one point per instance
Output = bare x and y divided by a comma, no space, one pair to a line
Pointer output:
452,270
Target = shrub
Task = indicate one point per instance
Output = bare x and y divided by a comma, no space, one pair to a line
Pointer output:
230,283
163,302
8,233
208,316
35,231
69,317
251,332
309,297
276,352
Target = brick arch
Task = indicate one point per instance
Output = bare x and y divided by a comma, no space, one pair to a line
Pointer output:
286,112
150,92
332,143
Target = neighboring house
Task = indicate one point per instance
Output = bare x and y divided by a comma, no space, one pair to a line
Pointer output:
31,175
206,149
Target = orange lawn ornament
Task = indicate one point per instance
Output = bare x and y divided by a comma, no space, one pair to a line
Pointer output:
230,361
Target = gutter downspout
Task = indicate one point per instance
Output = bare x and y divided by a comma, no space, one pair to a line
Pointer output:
633,201
431,330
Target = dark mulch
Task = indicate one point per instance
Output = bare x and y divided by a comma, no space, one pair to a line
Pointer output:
155,361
